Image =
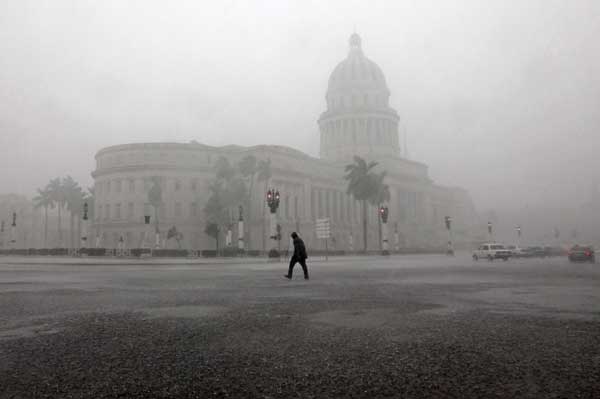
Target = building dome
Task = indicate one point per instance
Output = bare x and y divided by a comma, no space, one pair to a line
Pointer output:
358,119
356,72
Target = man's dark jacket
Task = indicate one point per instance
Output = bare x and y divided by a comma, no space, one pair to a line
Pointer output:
299,249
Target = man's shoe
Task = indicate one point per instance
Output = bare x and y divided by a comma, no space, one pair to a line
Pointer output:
288,277
306,277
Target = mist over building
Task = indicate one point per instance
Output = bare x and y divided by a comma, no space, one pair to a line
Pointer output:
358,120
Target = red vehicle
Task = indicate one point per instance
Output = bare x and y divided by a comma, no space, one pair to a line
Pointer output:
582,254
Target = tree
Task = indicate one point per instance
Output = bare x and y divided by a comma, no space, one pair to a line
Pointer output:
263,174
74,203
362,185
44,200
57,194
248,168
173,233
212,230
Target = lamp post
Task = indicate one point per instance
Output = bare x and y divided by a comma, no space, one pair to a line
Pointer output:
396,237
384,213
84,227
241,244
273,203
518,229
146,243
450,250
489,226
351,242
13,230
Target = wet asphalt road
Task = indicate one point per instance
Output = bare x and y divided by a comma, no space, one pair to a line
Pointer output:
404,326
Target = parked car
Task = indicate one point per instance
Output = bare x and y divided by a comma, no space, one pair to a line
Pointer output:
582,254
555,251
491,251
534,252
515,251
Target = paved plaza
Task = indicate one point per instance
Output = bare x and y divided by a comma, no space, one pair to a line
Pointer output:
364,327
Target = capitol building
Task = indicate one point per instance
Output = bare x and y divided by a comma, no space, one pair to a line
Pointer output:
357,120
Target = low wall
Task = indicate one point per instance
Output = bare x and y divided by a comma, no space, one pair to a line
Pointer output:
183,253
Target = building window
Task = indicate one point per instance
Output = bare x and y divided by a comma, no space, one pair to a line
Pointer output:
118,186
148,209
118,211
194,184
193,209
131,185
286,206
178,209
108,187
296,208
106,211
130,211
312,204
177,185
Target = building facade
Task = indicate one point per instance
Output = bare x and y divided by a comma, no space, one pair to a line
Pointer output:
358,120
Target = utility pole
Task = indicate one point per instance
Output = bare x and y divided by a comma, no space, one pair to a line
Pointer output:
450,250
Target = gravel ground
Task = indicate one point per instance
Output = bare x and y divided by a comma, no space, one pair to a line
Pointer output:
406,327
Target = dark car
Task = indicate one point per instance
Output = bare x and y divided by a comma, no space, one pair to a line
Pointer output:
582,254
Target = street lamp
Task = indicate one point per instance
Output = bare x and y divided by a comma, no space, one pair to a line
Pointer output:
448,221
13,228
241,244
489,226
84,226
147,228
273,198
518,228
384,213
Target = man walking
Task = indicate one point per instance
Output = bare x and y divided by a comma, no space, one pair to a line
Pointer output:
299,256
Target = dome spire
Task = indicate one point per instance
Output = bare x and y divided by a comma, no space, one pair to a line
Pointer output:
355,42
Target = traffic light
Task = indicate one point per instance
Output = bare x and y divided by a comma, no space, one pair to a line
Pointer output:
383,212
448,221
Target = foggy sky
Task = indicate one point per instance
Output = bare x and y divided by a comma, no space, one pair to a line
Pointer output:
501,98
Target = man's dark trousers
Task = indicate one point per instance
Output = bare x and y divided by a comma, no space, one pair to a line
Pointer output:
302,262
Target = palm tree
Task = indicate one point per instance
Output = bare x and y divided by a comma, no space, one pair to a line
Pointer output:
57,195
362,185
263,174
44,200
74,202
155,199
248,168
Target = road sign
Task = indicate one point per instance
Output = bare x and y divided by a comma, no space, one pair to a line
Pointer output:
323,230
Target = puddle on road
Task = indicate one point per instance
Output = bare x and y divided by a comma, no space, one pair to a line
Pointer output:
368,318
186,311
27,331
